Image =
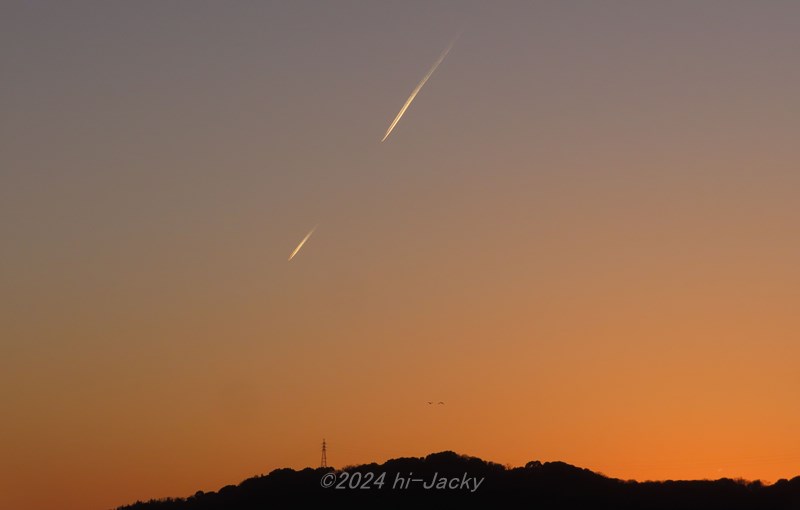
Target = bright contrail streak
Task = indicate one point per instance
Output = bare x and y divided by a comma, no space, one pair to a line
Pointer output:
418,87
302,243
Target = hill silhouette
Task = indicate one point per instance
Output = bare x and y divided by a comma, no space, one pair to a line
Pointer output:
448,477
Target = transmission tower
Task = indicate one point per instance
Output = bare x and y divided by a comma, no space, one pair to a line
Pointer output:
324,462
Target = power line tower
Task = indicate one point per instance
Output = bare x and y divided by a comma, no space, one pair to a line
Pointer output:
324,462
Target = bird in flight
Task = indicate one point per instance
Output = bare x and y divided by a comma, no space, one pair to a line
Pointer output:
440,403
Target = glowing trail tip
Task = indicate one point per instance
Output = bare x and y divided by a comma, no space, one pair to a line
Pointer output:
417,89
302,243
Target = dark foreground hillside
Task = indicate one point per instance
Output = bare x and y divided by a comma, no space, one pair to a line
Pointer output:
451,478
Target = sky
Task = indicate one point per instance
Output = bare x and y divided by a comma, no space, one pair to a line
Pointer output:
581,236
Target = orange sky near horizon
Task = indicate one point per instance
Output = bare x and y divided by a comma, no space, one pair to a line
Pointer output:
581,236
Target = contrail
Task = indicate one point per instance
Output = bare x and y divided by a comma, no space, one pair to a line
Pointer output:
302,242
418,87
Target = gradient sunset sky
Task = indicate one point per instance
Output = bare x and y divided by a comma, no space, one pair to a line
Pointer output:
582,236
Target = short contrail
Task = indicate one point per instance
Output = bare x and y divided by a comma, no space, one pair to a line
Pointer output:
418,87
302,242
